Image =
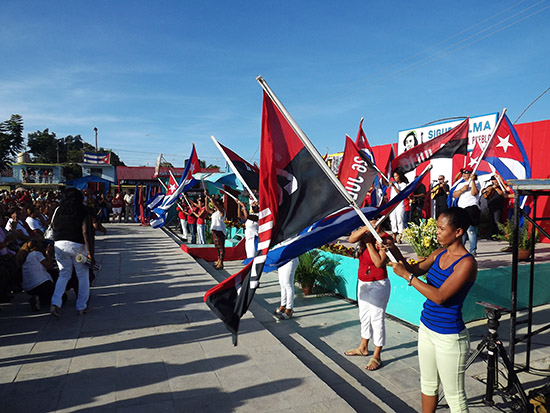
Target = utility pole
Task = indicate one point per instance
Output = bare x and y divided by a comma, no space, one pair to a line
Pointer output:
95,130
58,151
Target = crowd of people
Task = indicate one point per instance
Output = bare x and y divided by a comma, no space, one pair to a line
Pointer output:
494,198
43,266
46,269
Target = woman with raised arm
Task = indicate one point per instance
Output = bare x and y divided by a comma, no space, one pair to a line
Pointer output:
373,292
443,340
250,226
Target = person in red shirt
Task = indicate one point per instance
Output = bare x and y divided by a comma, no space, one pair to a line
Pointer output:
182,215
201,215
117,204
373,293
192,221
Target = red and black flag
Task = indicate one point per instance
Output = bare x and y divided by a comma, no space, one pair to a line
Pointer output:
246,173
356,171
452,142
294,193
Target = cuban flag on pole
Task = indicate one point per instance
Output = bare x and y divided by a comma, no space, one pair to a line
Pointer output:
185,184
506,152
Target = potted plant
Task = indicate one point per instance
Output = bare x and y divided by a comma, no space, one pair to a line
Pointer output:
315,268
422,237
524,238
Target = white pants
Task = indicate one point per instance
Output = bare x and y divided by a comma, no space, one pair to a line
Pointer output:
200,234
250,247
443,357
372,298
65,255
286,281
397,217
183,223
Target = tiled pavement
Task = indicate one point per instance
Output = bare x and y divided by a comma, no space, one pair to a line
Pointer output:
151,344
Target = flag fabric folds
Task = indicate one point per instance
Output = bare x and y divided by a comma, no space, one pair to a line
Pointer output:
249,173
90,157
506,153
362,142
294,193
330,228
356,172
172,185
186,182
450,143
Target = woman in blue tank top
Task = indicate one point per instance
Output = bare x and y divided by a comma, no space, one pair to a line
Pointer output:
443,340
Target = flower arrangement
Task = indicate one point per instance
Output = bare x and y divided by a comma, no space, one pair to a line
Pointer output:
338,249
422,237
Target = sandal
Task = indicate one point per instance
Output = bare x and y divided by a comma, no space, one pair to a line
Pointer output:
286,315
279,310
355,352
377,364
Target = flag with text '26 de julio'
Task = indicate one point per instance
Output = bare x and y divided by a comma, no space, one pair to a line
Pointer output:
186,183
294,193
506,152
452,142
356,171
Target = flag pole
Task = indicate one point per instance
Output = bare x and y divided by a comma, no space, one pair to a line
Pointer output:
488,143
319,159
235,171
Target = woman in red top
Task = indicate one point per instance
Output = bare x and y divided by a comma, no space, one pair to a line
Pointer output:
201,215
192,221
373,293
182,215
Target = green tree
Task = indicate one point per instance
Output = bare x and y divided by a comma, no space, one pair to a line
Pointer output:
73,149
11,140
44,146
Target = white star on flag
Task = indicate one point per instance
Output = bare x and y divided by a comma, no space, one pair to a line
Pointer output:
172,188
472,162
504,143
192,168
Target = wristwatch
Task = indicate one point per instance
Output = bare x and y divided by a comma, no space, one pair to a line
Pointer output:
411,278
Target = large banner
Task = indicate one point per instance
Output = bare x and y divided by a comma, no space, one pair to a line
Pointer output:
479,130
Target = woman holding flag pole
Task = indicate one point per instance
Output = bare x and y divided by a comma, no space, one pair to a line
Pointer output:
443,339
373,292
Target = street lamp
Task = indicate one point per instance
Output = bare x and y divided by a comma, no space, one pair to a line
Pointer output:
95,130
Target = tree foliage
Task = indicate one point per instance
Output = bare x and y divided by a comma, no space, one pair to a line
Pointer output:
11,140
44,146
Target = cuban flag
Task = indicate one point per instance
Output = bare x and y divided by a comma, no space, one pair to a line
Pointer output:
185,184
90,157
506,153
475,158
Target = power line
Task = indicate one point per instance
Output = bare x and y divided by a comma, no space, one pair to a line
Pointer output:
531,104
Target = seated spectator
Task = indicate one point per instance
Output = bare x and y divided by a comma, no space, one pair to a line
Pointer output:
15,226
37,281
34,222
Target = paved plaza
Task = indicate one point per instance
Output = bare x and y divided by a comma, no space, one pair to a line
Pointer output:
150,344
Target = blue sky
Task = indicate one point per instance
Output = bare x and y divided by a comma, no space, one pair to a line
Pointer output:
157,76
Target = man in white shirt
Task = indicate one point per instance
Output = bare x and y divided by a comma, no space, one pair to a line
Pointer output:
467,193
129,207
